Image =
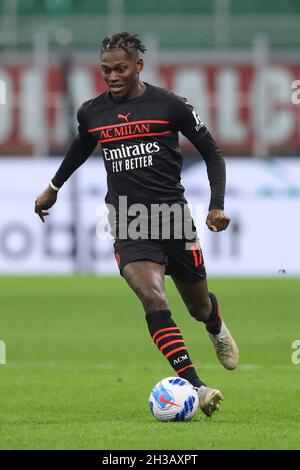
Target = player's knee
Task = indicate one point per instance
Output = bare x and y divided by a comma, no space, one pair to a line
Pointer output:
201,311
153,298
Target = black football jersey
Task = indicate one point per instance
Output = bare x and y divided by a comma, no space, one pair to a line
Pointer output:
139,139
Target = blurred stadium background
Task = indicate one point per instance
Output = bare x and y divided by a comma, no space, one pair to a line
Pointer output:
236,61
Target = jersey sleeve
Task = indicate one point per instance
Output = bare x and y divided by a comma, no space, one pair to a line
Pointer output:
82,126
81,148
186,120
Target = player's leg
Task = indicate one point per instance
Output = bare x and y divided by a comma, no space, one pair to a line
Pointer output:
203,306
146,279
186,266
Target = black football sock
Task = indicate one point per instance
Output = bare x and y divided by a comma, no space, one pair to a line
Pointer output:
167,337
214,322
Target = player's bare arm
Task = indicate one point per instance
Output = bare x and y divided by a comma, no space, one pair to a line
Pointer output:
217,220
44,202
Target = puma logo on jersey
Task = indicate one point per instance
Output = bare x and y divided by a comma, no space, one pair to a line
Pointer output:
122,116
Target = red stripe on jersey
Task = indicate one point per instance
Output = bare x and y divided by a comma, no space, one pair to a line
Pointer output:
148,134
148,121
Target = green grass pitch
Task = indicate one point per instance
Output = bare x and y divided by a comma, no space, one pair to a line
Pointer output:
81,365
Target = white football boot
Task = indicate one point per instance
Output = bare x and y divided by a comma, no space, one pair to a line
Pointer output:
226,348
209,399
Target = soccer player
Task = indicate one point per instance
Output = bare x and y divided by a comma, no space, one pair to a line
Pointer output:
137,126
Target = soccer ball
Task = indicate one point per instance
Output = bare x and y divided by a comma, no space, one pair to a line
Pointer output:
173,399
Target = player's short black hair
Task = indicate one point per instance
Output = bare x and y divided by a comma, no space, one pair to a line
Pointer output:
126,41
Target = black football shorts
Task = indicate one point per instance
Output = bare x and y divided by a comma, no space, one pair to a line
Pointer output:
182,259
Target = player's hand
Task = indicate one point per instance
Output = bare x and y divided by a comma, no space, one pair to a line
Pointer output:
217,220
44,201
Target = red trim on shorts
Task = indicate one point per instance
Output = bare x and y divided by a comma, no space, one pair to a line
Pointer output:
118,258
195,257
